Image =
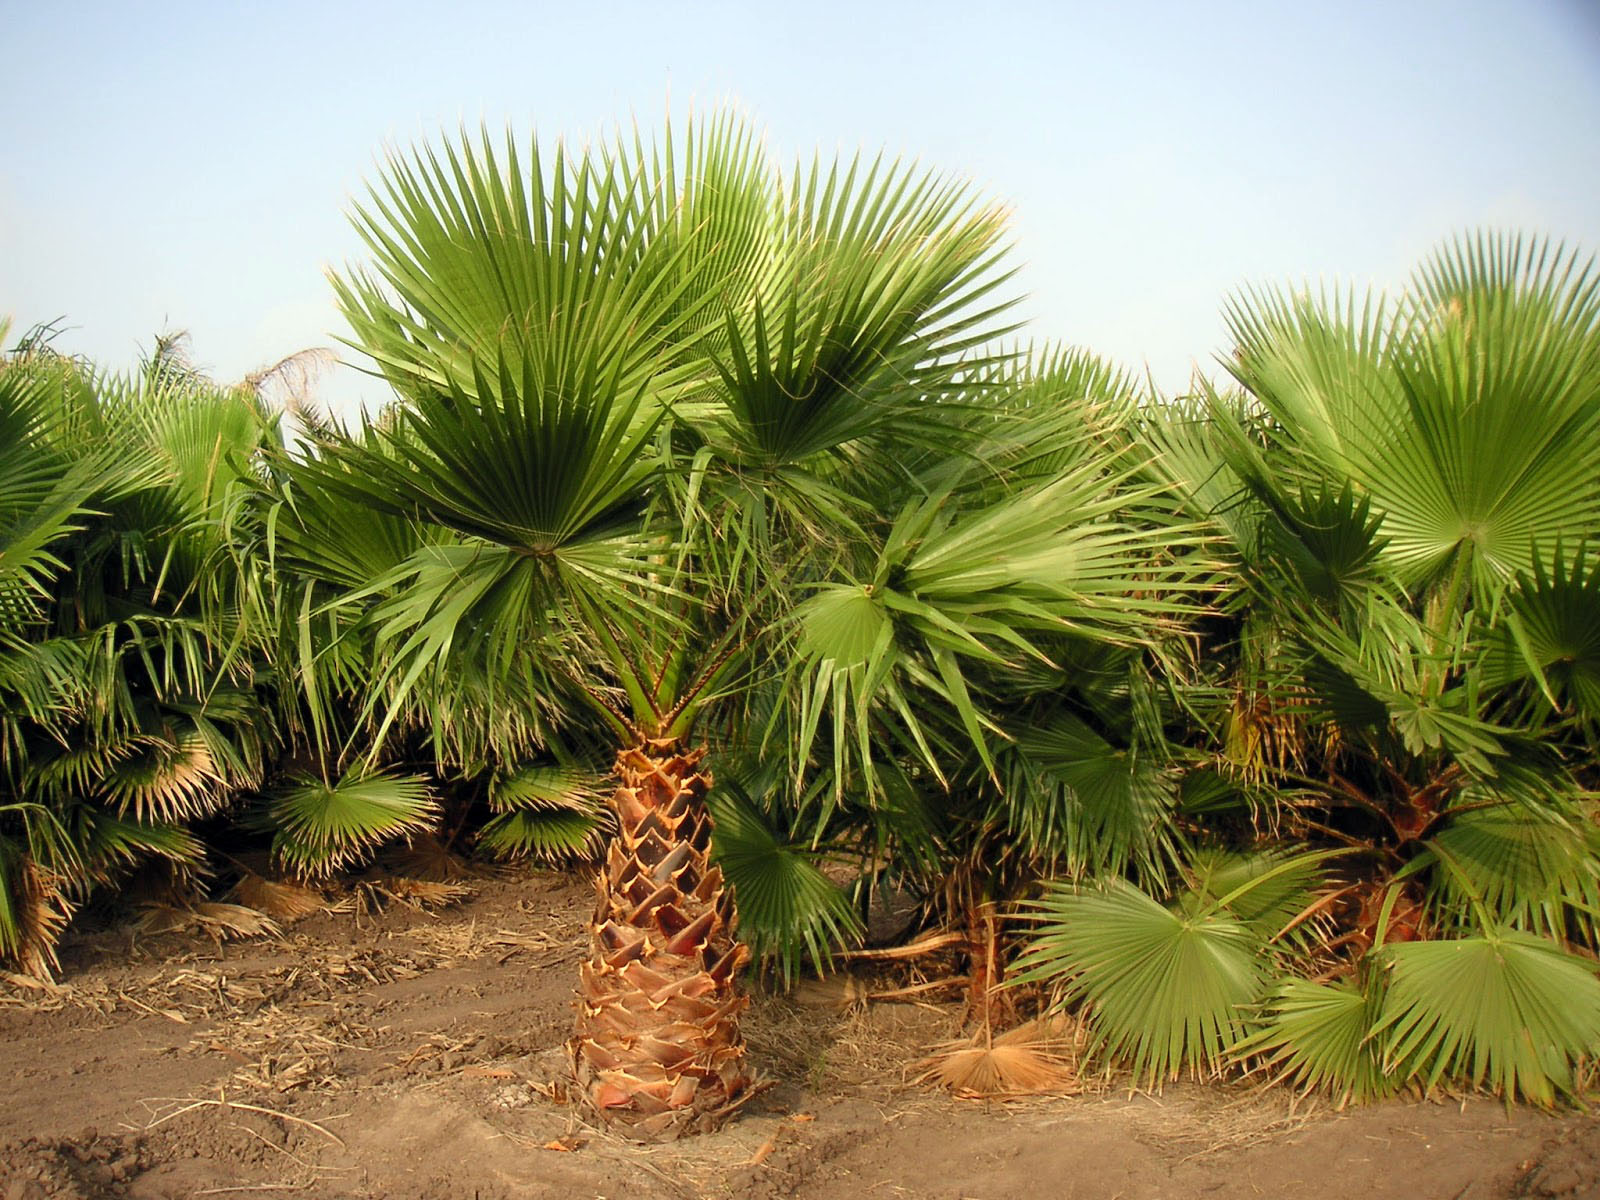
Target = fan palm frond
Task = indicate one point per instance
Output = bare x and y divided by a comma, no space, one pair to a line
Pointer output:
1318,1037
1505,1010
550,813
323,827
1165,991
166,776
1102,808
788,909
1532,866
1270,890
1551,634
34,910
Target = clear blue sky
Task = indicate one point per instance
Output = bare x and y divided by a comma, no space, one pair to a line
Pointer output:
188,165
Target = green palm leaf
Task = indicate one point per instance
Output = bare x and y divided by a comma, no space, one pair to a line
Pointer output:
788,909
549,813
1267,889
1319,1037
1507,1010
1070,792
1532,866
1551,634
872,294
953,587
1426,410
478,256
323,827
1165,991
165,776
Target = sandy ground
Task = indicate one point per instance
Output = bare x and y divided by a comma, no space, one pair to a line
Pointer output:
404,1054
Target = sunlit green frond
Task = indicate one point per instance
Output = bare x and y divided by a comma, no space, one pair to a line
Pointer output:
1269,890
985,587
1508,1011
1427,410
478,256
788,909
316,532
877,285
545,834
1551,634
709,220
322,827
542,456
44,496
1533,867
1164,991
1318,1037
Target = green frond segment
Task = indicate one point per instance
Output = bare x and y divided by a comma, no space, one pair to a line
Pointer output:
1101,808
877,284
324,827
1551,635
477,247
108,840
1531,866
965,584
1269,890
1318,1037
789,911
1508,1011
1424,407
1164,991
545,812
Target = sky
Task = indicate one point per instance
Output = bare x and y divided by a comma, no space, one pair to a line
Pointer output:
191,165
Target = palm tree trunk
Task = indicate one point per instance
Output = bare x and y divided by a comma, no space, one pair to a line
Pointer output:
658,1050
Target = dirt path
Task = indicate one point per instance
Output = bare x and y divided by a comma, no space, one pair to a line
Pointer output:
418,1056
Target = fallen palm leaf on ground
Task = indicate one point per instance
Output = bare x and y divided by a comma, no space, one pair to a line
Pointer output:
1031,1060
278,900
217,920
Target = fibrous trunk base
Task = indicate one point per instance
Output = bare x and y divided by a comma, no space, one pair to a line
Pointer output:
658,1051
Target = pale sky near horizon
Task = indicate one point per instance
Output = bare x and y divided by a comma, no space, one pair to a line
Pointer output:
189,165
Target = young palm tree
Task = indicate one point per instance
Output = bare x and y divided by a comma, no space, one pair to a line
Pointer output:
733,457
129,710
1407,675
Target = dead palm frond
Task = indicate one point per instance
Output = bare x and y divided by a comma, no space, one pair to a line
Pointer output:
1033,1059
420,893
38,912
426,857
217,920
278,900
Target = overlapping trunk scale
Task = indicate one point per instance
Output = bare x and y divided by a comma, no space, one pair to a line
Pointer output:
658,1052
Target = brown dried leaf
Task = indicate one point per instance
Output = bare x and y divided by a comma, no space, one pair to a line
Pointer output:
281,901
425,893
1030,1060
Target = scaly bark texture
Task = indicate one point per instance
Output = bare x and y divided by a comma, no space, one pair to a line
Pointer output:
658,1052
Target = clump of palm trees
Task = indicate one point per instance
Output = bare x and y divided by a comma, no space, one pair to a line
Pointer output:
1271,713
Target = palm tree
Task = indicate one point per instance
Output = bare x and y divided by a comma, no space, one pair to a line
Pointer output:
1405,675
130,709
728,457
